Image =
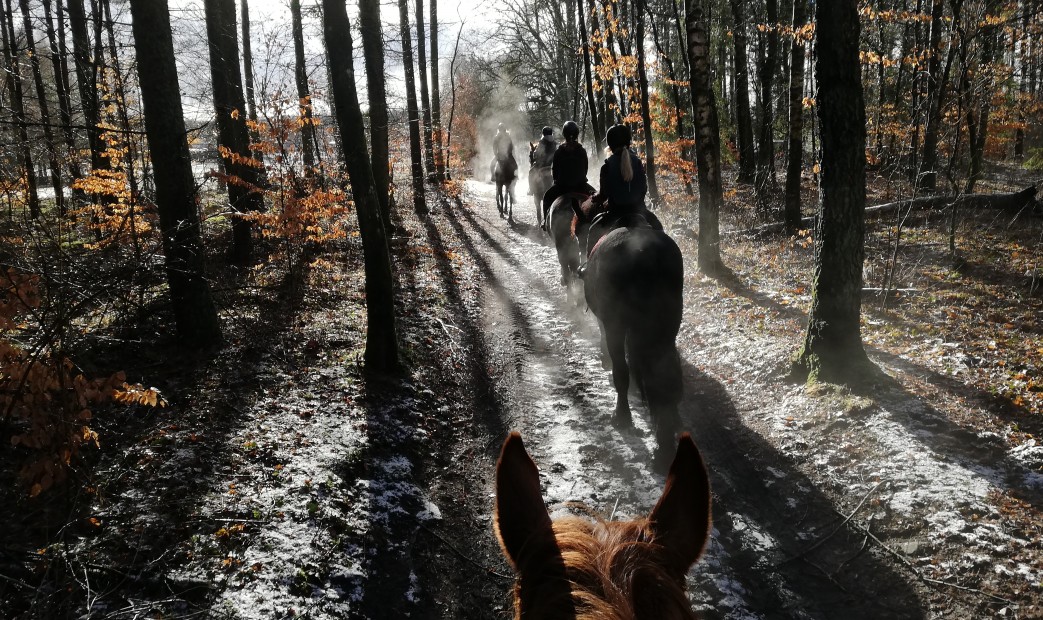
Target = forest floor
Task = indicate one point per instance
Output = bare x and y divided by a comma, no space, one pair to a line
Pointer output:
281,482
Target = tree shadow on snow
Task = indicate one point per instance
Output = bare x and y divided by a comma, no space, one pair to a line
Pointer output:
771,519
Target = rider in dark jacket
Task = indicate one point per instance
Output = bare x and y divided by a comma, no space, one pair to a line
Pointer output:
542,157
623,183
569,167
503,148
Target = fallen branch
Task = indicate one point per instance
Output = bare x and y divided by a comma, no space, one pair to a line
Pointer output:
921,576
463,555
1015,202
835,529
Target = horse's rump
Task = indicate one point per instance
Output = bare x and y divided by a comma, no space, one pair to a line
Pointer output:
506,169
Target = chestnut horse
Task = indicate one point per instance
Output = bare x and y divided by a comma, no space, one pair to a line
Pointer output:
633,283
606,570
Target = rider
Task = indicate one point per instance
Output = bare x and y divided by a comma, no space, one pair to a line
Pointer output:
542,157
503,148
623,183
569,168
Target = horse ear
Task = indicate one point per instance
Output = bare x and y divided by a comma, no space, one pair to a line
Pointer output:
681,519
522,522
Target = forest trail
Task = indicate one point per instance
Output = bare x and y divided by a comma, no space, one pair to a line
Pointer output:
552,388
282,483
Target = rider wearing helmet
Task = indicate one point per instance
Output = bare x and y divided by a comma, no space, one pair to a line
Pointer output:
542,157
569,168
623,185
503,148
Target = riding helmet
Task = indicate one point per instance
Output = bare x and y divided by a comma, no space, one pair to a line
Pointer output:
618,136
548,131
570,130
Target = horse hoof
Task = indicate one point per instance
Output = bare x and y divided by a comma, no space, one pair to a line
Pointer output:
662,457
622,420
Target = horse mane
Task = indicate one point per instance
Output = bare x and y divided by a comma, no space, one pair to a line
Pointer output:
575,568
615,572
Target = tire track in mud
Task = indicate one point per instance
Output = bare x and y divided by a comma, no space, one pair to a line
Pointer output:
546,363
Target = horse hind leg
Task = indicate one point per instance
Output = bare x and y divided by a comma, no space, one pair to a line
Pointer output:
615,340
662,385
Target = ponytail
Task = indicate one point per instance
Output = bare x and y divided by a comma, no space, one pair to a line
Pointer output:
626,168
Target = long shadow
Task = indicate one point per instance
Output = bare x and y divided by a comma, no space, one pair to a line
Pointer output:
517,314
407,546
946,438
163,462
756,488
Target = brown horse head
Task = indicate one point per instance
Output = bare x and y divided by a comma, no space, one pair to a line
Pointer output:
575,568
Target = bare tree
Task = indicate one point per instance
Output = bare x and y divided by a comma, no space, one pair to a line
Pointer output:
233,137
41,103
13,71
373,51
303,91
195,316
381,344
419,204
436,100
425,99
707,138
832,349
795,156
743,117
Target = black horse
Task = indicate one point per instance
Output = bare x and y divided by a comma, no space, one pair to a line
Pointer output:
633,283
505,174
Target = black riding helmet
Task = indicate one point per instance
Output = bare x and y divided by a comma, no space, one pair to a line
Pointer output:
570,130
619,136
548,131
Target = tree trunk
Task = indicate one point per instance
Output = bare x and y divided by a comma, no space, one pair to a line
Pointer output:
86,79
743,117
381,354
927,176
707,138
419,204
795,156
978,117
436,99
14,87
833,350
595,121
1021,60
768,61
119,90
248,61
303,92
373,51
45,113
230,110
195,316
248,78
60,69
646,112
425,99
675,93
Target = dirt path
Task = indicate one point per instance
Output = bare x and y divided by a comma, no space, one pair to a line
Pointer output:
281,483
768,515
